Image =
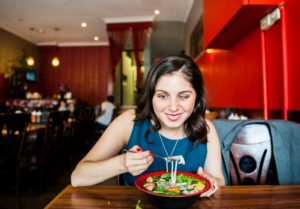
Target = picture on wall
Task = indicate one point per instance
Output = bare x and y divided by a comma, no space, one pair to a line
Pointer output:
196,39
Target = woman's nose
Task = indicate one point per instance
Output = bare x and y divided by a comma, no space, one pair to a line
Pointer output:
173,104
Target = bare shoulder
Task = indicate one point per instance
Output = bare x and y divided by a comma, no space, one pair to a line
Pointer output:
126,116
123,123
115,136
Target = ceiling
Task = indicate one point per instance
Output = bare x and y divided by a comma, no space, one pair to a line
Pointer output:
59,21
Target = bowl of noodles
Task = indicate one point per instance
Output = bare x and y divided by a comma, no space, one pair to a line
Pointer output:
178,191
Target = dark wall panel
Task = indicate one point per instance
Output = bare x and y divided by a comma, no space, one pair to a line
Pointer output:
85,70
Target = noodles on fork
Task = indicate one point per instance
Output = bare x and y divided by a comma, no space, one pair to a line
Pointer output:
173,171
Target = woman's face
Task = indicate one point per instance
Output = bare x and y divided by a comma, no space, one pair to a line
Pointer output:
174,100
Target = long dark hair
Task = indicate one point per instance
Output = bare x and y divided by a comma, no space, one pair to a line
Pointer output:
195,126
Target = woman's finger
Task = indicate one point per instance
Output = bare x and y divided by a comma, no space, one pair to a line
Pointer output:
138,169
211,179
137,161
209,192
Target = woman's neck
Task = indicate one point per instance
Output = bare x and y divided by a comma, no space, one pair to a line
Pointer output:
172,133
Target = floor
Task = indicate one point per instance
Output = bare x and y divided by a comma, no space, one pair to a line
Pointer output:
55,181
32,198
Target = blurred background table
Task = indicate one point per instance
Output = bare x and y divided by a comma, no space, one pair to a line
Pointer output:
249,197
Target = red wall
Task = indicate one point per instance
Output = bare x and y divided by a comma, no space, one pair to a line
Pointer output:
3,82
293,44
221,17
85,70
233,76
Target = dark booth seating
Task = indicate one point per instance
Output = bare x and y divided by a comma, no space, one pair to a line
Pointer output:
260,151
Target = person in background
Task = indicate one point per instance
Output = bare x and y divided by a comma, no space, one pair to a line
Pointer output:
62,105
104,113
169,121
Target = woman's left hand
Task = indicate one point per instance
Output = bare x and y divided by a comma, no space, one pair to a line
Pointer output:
212,180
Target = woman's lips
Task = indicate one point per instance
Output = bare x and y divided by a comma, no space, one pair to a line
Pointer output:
173,117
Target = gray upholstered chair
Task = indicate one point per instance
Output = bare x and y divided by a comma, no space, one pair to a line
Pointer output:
285,146
250,155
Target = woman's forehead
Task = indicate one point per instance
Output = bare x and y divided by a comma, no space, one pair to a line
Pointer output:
175,81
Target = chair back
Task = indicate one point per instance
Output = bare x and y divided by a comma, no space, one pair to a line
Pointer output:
250,155
13,130
54,129
12,135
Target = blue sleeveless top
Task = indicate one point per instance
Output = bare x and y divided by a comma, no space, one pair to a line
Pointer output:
194,155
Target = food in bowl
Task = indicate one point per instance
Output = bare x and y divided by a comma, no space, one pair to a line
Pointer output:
160,183
184,184
178,196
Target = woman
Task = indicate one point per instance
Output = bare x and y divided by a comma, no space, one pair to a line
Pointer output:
169,121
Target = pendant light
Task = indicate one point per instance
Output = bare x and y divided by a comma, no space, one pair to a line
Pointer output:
30,61
55,60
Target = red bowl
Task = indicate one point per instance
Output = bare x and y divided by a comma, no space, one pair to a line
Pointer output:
172,201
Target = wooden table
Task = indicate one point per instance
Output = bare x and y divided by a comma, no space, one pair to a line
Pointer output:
114,197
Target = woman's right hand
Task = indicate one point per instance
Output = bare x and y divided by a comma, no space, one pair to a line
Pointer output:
137,160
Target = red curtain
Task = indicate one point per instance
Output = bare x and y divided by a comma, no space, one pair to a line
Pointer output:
118,33
139,37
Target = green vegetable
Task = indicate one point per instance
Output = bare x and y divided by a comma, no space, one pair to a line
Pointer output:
181,178
159,190
171,193
166,176
138,205
155,178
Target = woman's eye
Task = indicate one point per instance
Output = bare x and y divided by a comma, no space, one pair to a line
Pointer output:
183,97
162,96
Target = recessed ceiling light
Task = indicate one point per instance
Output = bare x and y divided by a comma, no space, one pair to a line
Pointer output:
41,30
156,11
96,38
83,24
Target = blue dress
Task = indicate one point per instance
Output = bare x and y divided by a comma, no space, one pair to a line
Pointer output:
194,155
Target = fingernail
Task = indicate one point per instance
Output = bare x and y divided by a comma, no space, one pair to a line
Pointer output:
138,149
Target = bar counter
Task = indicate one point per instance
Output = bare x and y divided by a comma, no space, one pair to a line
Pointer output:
250,197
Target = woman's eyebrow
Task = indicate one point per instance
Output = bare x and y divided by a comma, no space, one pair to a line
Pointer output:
160,90
181,92
185,91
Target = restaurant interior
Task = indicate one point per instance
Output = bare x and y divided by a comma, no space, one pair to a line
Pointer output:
51,79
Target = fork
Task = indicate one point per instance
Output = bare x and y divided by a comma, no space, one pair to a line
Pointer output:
155,155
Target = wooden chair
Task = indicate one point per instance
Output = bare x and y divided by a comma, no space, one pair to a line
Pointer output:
40,158
81,133
13,134
250,155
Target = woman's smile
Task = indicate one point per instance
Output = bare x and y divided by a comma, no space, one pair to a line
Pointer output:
173,117
173,100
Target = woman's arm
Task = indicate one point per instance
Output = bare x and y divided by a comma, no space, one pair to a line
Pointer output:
103,162
213,163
